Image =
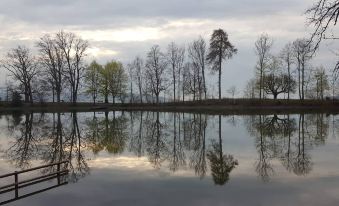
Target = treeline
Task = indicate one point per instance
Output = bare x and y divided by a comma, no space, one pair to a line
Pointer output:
289,72
59,70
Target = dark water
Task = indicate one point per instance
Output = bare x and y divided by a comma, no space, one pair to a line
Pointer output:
150,158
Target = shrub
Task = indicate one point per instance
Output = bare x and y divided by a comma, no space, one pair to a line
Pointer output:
16,99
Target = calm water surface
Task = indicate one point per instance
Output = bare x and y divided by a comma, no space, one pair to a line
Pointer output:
150,158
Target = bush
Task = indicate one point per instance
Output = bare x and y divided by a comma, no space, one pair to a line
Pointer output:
16,99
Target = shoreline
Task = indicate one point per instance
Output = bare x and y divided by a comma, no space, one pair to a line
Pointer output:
224,106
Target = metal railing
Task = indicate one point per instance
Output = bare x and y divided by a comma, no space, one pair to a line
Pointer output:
32,181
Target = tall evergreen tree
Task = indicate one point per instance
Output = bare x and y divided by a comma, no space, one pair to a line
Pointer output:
220,49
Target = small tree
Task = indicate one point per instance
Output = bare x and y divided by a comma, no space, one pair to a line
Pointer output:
117,79
320,83
92,78
277,81
262,49
276,85
232,91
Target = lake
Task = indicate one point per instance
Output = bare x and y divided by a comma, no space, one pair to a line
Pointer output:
159,158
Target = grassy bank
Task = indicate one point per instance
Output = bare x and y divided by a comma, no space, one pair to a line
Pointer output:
224,106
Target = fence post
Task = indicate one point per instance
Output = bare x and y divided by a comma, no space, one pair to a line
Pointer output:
16,184
58,174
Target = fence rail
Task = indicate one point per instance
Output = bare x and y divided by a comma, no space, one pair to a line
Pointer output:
32,181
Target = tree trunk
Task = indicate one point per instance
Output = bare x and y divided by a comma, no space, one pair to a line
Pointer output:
220,62
203,80
106,98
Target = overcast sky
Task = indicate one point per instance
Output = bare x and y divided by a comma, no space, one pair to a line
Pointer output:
122,29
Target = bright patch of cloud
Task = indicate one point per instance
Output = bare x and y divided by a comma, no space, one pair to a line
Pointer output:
123,35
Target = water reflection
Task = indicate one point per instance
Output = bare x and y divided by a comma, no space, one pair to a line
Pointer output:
288,140
176,141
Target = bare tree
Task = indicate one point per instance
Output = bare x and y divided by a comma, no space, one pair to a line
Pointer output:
277,81
262,49
175,58
321,15
74,50
287,56
321,83
193,80
197,54
155,71
130,69
251,89
52,59
23,67
232,91
302,53
138,66
220,49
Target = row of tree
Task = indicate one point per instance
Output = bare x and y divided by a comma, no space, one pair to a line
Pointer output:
60,69
288,72
173,70
60,64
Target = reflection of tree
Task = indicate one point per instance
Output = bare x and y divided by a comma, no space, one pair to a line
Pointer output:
110,134
198,158
316,127
66,143
302,164
286,156
25,146
156,148
73,145
137,143
221,164
92,132
177,155
263,166
282,138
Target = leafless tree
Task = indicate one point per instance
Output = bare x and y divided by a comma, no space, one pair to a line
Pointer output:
138,65
262,49
74,50
52,59
23,67
175,58
130,69
287,56
192,81
251,89
155,70
197,53
302,53
232,91
321,16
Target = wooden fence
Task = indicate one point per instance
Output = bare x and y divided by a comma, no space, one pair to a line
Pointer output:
17,185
